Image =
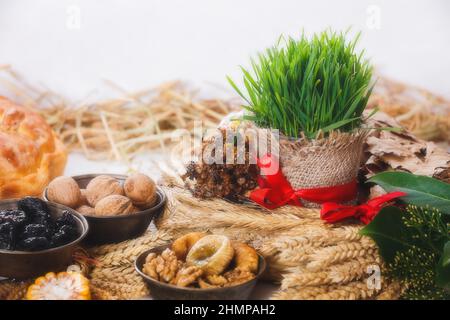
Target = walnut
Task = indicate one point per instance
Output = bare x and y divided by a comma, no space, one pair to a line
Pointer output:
237,276
114,205
161,267
203,284
85,209
217,280
170,265
64,190
149,267
212,281
141,190
101,187
187,276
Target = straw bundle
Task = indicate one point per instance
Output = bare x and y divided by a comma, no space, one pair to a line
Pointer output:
123,127
420,111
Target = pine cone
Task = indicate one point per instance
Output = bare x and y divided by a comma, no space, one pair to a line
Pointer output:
225,180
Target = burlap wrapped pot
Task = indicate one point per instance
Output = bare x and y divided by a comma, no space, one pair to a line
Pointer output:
322,162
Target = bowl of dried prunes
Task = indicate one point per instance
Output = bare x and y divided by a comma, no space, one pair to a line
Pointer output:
37,237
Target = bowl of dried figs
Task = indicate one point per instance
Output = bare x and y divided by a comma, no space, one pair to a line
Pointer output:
117,207
37,237
201,266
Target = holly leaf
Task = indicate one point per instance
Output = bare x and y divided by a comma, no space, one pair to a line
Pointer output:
389,232
443,268
421,190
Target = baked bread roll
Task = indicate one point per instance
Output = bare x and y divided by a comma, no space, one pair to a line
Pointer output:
30,154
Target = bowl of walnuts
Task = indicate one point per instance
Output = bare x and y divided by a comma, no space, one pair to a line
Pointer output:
201,266
117,207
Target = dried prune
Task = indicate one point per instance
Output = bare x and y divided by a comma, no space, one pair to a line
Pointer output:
68,229
41,217
31,227
66,219
36,210
34,244
30,205
36,230
65,235
16,217
8,235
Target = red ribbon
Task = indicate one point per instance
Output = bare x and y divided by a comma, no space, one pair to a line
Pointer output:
334,212
275,191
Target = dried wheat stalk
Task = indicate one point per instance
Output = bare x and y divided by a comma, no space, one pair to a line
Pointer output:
122,290
148,240
115,273
118,128
308,293
352,291
392,291
421,112
122,274
354,269
219,213
312,260
102,294
327,256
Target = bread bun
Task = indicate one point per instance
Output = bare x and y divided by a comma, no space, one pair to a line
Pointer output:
30,154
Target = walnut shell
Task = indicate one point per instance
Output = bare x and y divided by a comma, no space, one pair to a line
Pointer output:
65,191
141,190
101,187
84,209
114,205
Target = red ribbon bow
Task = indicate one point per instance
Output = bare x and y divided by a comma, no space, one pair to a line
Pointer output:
275,191
334,212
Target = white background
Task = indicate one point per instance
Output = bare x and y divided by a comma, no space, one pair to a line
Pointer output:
139,43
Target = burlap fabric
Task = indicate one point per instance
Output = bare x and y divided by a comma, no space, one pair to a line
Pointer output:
322,162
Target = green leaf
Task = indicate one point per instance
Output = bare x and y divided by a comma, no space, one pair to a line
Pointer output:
446,255
372,113
421,190
443,268
338,124
388,231
235,87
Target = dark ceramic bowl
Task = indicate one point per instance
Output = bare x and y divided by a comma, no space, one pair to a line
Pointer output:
112,229
164,291
29,264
